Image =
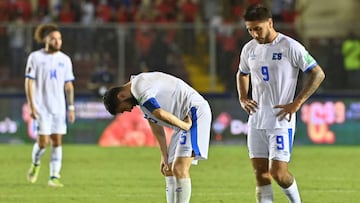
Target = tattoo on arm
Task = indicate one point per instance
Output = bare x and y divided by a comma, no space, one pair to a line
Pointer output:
311,84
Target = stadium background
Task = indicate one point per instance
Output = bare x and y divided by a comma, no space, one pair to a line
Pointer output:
198,41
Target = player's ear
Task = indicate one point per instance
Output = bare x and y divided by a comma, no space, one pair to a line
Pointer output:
271,23
122,96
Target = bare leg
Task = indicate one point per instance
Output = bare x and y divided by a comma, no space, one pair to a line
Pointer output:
264,192
181,171
279,171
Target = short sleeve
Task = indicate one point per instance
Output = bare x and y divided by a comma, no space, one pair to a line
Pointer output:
142,90
302,58
30,68
69,75
243,65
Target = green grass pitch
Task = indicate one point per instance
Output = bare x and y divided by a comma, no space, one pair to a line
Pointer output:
92,174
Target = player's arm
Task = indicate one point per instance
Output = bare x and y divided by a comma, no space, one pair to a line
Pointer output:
243,82
154,107
314,78
171,119
69,94
159,134
30,96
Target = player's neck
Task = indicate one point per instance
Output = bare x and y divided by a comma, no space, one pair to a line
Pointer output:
48,50
273,36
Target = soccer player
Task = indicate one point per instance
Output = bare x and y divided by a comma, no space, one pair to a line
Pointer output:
49,87
168,101
273,61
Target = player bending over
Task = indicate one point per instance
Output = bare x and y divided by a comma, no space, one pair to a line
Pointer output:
168,101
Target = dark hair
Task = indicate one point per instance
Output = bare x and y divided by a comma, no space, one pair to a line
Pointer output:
257,12
43,30
110,99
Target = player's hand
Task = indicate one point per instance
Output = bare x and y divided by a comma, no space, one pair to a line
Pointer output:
164,166
248,105
71,116
188,122
287,109
34,114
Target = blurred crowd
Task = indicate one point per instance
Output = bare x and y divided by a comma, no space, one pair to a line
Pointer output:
123,11
156,49
95,52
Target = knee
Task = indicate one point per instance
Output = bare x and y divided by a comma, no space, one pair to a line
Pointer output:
179,171
168,171
42,143
262,177
276,174
283,178
56,141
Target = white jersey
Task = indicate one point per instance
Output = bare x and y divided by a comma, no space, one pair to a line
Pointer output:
274,69
50,72
171,94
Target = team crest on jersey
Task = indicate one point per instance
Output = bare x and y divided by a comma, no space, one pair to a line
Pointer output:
276,56
61,64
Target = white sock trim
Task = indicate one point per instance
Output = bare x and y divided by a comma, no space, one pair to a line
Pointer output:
292,193
170,189
56,161
37,153
264,194
183,190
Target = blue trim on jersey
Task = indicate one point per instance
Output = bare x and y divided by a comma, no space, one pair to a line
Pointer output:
69,80
244,73
28,76
194,132
290,134
310,67
151,104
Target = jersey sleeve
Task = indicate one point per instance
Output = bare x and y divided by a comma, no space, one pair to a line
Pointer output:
30,68
145,94
142,90
302,58
243,65
69,74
